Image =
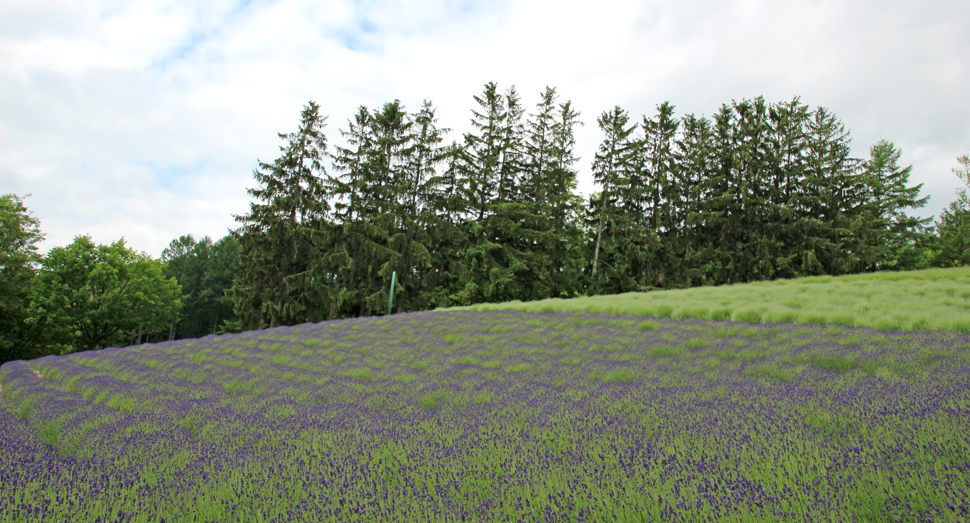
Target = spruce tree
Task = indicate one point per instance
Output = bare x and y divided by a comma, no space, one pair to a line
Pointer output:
492,169
482,151
447,283
610,168
549,236
788,142
656,194
695,151
893,233
954,223
274,286
416,194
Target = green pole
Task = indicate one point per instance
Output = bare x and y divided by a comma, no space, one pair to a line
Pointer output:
390,301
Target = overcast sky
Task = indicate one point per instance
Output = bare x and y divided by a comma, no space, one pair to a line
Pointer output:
145,119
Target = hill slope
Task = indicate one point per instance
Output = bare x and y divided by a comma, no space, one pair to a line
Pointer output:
500,416
934,299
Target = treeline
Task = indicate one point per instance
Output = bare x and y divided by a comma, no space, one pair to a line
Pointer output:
81,296
757,191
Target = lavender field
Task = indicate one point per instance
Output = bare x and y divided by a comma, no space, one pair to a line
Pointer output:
496,416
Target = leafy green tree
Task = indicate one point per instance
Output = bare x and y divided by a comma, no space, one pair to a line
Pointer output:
275,285
205,271
954,223
89,296
19,234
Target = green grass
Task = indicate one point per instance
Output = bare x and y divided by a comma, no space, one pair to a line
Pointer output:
932,299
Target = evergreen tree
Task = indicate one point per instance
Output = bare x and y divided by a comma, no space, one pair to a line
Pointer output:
893,233
788,142
350,236
954,224
611,165
415,207
511,163
694,150
715,212
482,151
385,203
655,195
448,283
550,237
758,191
491,170
274,285
826,201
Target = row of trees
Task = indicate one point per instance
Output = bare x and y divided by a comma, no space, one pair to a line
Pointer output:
757,191
79,297
204,271
493,218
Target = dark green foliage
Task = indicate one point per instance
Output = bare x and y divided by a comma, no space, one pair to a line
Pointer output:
954,224
274,285
613,229
758,191
891,235
205,271
491,169
550,237
19,234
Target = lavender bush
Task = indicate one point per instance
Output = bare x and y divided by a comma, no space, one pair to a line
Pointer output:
496,416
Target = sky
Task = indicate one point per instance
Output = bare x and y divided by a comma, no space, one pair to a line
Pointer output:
145,119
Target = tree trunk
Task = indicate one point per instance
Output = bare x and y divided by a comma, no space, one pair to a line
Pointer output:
333,300
599,234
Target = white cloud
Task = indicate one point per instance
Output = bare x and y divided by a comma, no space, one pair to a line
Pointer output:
145,119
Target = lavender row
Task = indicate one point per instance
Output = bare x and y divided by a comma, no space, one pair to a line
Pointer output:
495,417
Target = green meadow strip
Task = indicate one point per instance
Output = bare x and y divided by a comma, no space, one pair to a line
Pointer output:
935,299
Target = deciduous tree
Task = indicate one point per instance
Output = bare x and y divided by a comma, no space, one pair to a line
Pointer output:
88,296
19,235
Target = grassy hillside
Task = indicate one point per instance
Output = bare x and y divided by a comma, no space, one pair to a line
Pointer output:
934,299
504,416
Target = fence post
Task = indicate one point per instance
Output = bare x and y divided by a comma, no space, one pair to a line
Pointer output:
390,301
